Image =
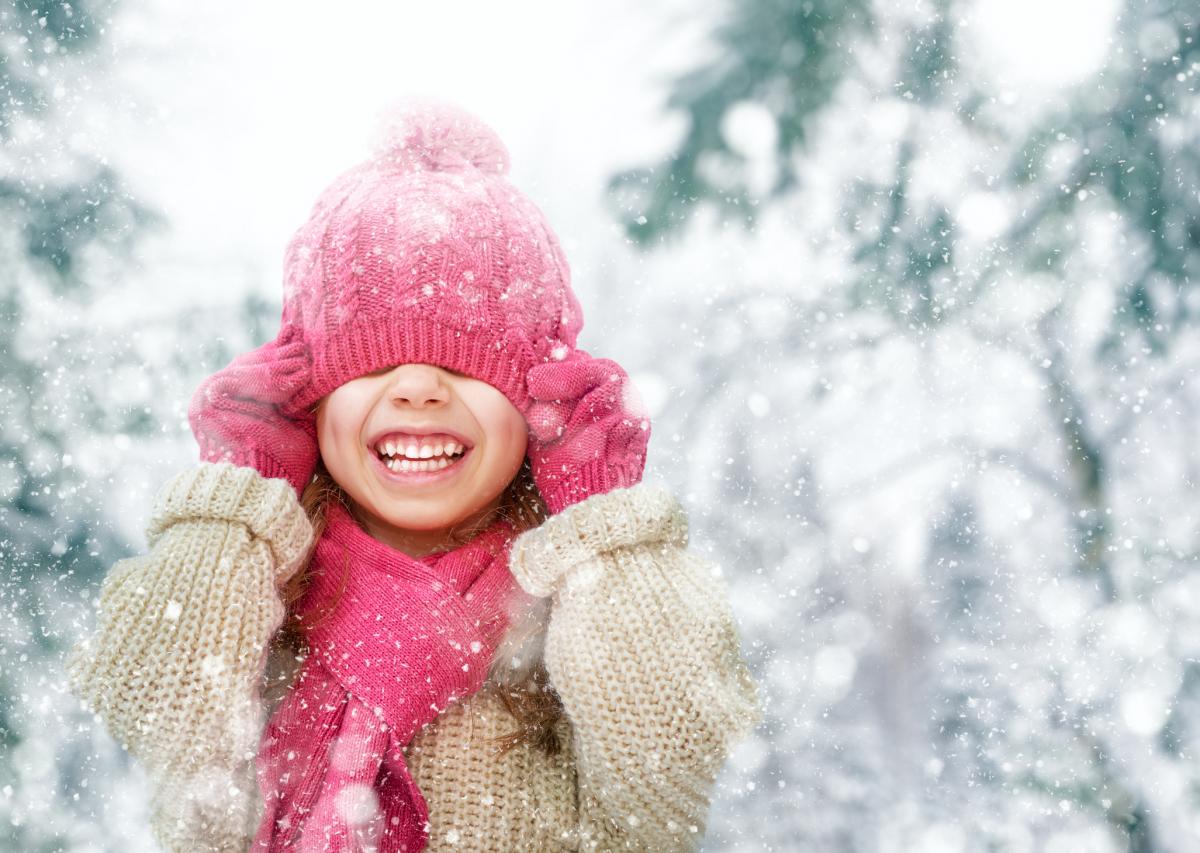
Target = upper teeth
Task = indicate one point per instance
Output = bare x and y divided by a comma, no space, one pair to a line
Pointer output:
423,450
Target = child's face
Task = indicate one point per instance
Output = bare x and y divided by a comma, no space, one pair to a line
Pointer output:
468,438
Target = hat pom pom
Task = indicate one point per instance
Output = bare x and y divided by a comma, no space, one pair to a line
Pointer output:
415,134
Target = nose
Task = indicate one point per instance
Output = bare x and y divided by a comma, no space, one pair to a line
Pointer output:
418,385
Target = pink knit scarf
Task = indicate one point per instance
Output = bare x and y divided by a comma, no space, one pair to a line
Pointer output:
406,637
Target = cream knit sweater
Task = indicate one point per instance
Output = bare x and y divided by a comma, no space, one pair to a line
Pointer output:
641,647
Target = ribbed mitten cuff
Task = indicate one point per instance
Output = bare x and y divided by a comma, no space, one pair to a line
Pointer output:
595,478
265,464
221,490
641,515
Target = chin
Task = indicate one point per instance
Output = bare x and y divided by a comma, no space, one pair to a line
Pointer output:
420,521
420,515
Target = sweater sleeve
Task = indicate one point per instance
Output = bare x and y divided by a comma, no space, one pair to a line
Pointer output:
644,653
175,664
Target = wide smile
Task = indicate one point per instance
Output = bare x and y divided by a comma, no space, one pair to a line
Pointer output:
409,472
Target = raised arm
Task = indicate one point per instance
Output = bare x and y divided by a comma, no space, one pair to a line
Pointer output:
643,651
175,665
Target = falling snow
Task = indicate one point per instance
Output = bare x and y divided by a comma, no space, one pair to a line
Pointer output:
908,294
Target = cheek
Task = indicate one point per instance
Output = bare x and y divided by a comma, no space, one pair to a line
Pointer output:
339,422
510,438
505,428
329,428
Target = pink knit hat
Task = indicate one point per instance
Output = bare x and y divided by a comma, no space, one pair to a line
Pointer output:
424,253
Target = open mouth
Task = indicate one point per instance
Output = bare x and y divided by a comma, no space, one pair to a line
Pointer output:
429,454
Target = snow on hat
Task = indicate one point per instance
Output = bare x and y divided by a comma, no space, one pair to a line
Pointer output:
427,253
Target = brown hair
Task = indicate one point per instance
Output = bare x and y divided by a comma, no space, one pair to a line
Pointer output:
525,691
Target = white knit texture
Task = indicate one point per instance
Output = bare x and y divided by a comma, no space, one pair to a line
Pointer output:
175,665
643,651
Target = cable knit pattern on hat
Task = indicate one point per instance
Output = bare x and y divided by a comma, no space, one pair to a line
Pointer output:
426,252
641,646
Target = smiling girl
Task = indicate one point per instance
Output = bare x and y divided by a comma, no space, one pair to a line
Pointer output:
415,594
440,449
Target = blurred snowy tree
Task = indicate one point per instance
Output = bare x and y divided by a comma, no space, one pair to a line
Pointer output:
67,225
77,391
68,230
941,389
787,55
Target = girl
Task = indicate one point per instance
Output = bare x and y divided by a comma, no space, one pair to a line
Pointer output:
414,595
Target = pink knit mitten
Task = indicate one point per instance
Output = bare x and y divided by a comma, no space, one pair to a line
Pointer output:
236,414
589,430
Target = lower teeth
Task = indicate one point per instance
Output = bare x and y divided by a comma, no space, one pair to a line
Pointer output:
420,464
